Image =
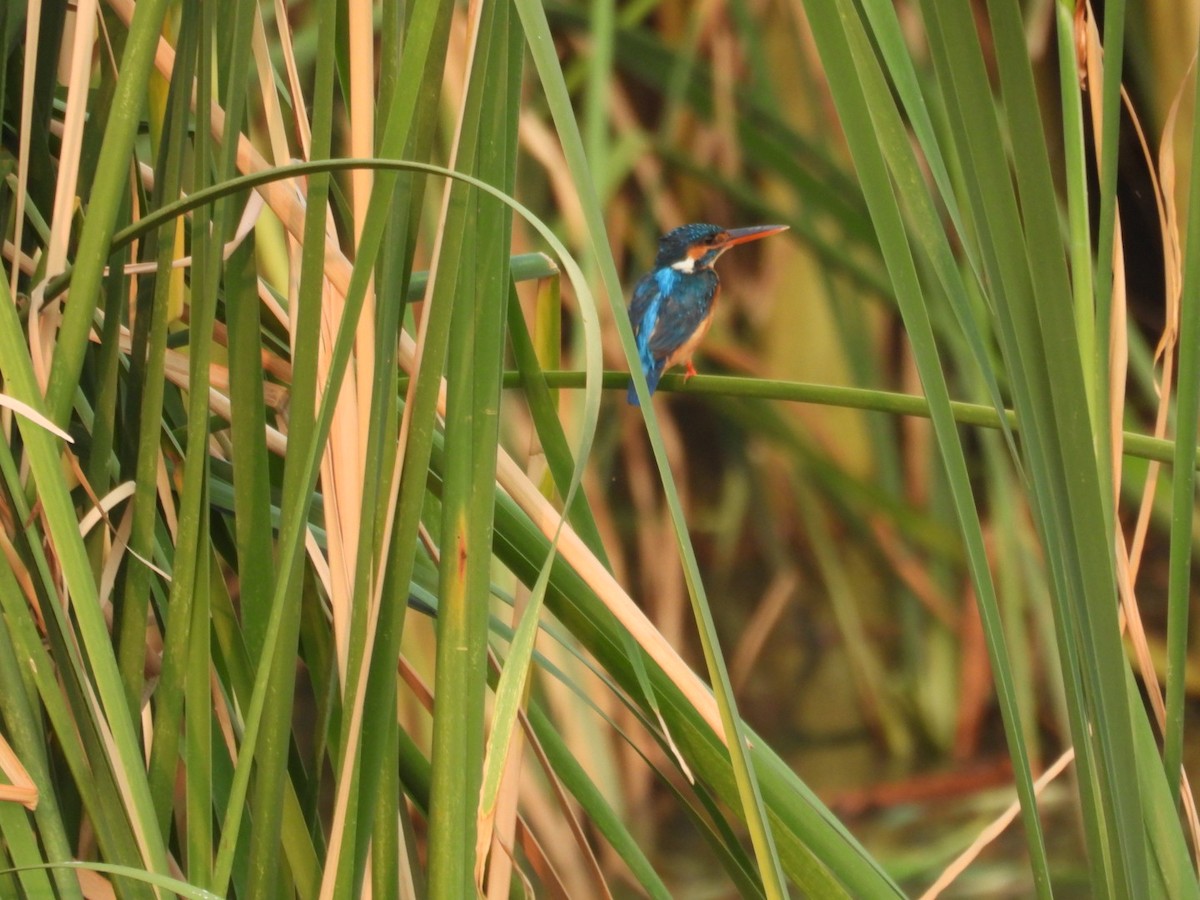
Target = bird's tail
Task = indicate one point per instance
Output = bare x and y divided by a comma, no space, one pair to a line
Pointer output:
652,375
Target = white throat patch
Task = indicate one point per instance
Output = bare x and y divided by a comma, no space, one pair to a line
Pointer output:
686,265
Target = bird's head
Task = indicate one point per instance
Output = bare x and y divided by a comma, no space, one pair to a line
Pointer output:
691,248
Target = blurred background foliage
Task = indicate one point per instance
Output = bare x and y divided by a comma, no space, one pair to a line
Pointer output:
827,527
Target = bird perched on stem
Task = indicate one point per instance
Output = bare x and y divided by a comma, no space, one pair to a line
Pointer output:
672,307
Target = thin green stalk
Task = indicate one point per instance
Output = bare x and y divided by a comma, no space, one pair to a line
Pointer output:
147,381
106,394
193,540
198,725
1183,495
602,16
1110,127
273,622
1075,170
458,740
1138,445
20,854
251,472
473,368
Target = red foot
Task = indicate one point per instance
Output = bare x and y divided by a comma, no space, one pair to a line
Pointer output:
689,371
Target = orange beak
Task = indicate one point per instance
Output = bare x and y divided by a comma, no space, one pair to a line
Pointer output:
737,236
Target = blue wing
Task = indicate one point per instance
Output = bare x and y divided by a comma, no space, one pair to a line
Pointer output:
644,310
689,303
666,309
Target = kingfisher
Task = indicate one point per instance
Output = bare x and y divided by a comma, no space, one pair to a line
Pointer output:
672,306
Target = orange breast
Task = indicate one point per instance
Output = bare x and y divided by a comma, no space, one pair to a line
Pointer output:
683,353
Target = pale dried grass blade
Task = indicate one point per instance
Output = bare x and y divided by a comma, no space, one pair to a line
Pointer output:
319,563
21,789
1173,265
1163,181
105,505
361,39
494,847
299,110
82,35
340,478
94,885
23,264
176,370
994,830
647,167
541,143
272,112
120,775
166,497
33,20
114,557
573,550
23,577
762,624
24,409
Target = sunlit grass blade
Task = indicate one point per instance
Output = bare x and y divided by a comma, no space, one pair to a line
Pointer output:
465,290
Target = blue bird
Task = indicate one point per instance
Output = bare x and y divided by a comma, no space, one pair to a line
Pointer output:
672,307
